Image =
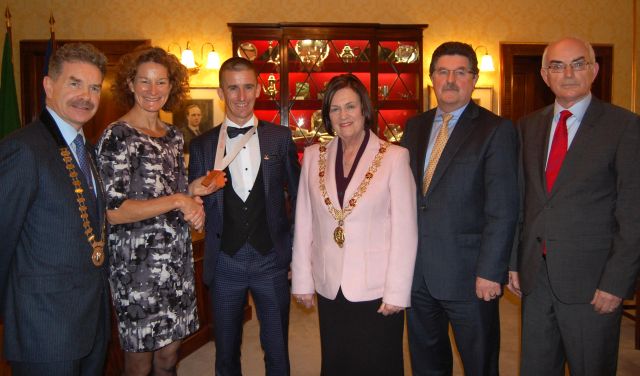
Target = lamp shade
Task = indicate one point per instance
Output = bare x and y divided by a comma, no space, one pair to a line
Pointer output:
486,64
188,60
213,60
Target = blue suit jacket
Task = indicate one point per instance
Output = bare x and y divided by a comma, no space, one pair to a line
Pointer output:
280,169
467,220
50,292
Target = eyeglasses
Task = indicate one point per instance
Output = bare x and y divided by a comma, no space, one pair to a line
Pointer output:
560,67
457,73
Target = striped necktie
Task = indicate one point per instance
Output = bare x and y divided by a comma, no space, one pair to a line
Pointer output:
83,161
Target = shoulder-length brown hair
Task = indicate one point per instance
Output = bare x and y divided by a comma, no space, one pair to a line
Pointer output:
128,68
340,82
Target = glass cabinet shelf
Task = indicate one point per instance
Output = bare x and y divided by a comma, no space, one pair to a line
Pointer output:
295,61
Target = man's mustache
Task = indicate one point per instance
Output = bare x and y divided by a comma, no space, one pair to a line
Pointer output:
82,103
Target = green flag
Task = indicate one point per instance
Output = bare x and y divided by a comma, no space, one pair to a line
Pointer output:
9,116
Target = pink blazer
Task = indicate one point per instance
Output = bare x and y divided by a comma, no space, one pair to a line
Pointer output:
379,252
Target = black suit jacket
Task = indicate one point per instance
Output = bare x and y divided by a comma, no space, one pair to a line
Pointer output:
590,220
188,135
50,291
280,169
466,221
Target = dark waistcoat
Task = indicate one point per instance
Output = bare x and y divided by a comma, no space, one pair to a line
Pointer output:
245,221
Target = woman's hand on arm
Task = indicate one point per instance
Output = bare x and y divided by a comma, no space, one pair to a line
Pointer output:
137,210
193,212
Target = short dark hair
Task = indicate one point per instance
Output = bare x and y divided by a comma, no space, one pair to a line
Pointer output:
190,106
340,82
128,68
236,64
455,48
76,52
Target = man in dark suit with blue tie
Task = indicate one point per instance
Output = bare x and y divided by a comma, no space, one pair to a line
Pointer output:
578,253
53,287
464,160
248,233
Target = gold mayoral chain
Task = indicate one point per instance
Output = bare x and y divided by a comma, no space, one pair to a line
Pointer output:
97,256
341,215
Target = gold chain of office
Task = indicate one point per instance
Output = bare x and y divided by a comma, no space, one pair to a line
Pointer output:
97,256
341,214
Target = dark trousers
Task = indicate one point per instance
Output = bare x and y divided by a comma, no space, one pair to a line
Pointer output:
90,365
554,332
356,340
476,328
248,270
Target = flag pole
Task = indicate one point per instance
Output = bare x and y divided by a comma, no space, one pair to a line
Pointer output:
51,48
52,31
7,16
9,113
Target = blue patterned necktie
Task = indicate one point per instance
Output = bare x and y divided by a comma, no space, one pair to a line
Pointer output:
83,161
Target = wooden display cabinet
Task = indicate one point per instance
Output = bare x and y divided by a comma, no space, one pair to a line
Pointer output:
295,61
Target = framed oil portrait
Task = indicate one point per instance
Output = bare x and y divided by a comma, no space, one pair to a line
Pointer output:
204,110
482,96
207,100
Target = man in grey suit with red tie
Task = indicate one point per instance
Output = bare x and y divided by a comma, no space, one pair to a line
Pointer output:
579,244
464,160
248,234
53,287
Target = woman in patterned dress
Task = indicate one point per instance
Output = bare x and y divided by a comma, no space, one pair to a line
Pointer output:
150,207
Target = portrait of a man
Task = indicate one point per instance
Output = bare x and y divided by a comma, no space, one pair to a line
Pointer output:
195,118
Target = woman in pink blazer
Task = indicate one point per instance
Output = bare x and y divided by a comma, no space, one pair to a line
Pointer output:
355,237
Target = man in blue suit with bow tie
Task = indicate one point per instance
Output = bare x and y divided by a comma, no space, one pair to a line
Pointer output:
248,233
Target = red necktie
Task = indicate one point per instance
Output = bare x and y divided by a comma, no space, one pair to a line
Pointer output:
558,149
556,155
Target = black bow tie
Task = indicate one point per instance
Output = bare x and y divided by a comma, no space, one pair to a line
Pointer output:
233,131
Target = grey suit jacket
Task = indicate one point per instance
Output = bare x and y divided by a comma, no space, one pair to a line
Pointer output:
590,220
50,292
280,169
467,219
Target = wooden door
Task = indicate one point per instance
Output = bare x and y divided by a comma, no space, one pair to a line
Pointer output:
524,91
32,93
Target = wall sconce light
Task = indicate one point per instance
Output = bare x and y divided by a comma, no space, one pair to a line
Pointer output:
213,58
486,63
187,58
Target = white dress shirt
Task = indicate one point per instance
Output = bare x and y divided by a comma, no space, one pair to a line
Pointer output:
69,133
244,167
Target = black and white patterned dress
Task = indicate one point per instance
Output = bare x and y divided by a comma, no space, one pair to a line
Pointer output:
151,261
